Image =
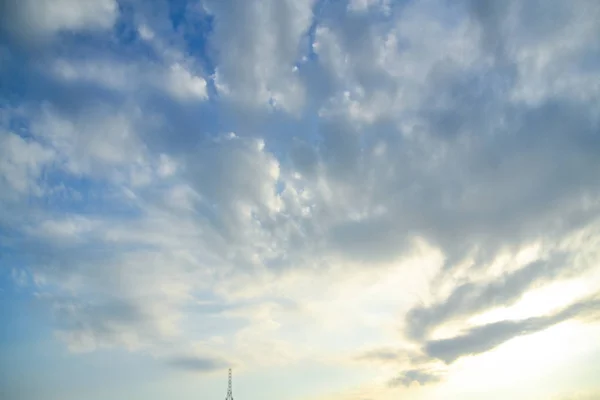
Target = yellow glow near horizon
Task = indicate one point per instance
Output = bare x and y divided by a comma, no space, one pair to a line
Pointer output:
524,362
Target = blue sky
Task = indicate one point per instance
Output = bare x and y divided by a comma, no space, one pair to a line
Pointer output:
354,199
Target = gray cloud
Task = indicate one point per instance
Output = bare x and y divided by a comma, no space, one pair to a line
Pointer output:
87,326
269,75
469,298
33,21
380,355
483,338
422,377
420,366
197,364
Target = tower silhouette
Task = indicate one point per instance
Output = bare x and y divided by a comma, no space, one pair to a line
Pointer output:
229,388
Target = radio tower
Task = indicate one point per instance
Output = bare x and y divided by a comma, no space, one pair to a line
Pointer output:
229,390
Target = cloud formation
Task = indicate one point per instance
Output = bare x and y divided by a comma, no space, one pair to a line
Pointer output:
35,19
486,337
470,297
215,177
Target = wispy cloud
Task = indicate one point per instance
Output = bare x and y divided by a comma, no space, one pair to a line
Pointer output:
197,364
483,338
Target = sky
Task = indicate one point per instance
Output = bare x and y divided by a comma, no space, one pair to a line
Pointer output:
338,199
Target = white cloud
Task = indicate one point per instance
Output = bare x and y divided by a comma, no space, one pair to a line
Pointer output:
255,61
21,165
134,78
112,75
96,142
185,86
166,166
364,5
146,33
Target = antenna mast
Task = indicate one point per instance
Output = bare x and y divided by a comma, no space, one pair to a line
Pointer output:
229,388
